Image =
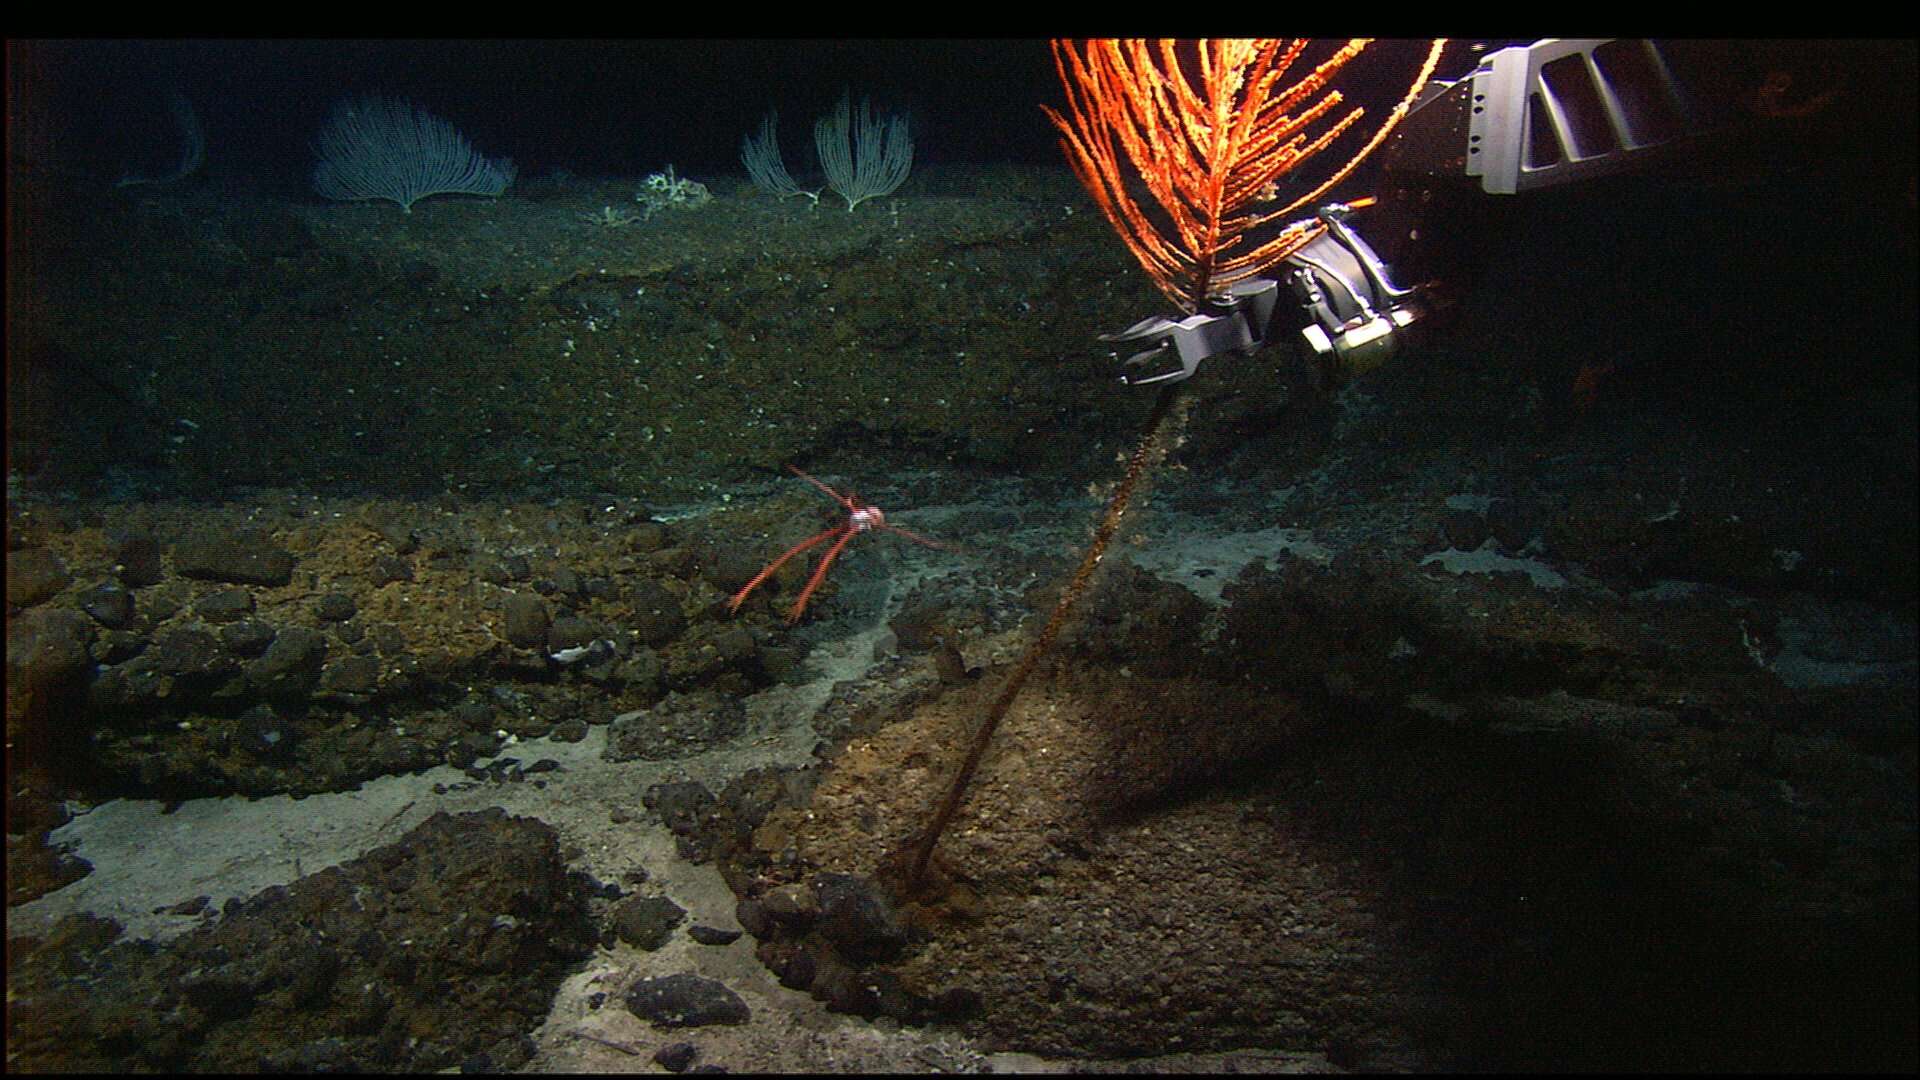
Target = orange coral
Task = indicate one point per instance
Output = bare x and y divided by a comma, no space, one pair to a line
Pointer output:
1209,136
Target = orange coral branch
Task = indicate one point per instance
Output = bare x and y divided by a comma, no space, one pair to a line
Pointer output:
1208,137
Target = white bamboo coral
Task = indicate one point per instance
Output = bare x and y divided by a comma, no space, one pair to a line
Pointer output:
761,156
863,158
374,147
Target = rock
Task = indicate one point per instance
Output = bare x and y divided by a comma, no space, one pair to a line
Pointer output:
242,557
712,935
130,686
504,570
266,734
354,675
867,993
680,725
646,922
675,1057
957,1003
290,668
752,915
249,637
118,646
388,638
224,606
187,651
110,605
527,621
136,558
388,569
655,613
640,670
920,627
683,805
686,1000
564,580
856,917
791,905
321,972
572,632
33,576
334,607
647,536
949,665
796,970
393,526
47,650
750,797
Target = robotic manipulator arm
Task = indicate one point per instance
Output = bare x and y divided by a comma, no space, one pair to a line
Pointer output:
1527,117
1357,314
